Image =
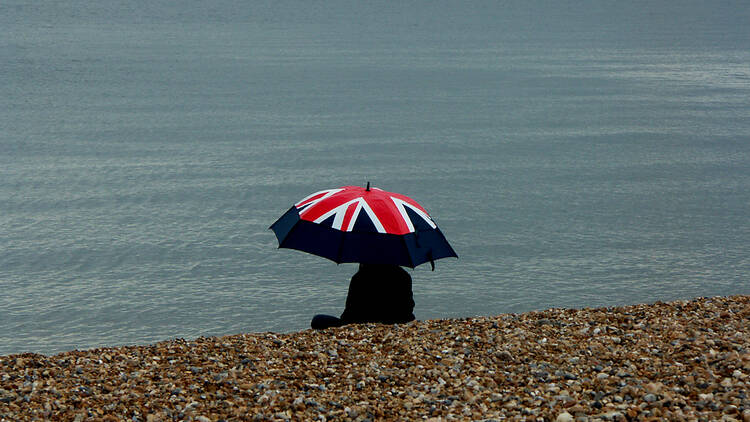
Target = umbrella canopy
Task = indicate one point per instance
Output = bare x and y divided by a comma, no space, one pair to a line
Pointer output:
365,225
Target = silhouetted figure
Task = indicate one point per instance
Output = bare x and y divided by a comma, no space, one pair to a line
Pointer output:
377,293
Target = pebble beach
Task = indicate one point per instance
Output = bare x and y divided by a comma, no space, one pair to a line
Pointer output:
684,360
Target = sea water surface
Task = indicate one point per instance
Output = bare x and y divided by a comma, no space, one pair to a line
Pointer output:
575,154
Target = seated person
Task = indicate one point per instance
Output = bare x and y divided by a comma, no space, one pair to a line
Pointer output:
377,293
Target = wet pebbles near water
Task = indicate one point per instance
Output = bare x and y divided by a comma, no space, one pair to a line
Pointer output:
683,360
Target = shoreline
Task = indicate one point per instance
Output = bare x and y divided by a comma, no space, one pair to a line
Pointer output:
681,360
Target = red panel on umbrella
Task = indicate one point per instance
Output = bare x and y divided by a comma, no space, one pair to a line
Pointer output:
388,212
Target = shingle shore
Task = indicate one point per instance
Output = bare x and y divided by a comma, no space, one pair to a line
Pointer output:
683,360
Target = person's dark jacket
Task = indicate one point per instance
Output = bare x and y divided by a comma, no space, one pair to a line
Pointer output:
379,293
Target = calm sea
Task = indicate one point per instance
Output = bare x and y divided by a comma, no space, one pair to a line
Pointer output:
576,154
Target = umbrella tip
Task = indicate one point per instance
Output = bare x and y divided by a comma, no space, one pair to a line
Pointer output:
368,186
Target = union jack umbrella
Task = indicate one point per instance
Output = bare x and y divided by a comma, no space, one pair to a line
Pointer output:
365,225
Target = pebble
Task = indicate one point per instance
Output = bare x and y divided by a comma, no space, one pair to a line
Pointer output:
612,416
683,360
564,417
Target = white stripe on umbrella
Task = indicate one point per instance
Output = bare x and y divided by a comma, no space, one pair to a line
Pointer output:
353,220
340,213
401,204
378,225
304,204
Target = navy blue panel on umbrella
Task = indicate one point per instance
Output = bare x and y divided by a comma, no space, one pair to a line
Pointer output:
285,223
